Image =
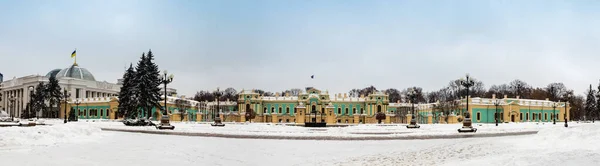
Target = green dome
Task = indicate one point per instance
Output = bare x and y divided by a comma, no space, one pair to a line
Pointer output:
75,72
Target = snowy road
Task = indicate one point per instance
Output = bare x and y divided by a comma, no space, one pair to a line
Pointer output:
576,145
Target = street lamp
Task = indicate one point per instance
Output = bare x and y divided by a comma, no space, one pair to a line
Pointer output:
12,100
566,106
29,111
412,95
217,122
77,102
554,105
467,124
164,120
497,102
66,95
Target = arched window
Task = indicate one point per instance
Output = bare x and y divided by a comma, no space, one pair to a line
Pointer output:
353,110
79,112
379,108
272,109
287,110
339,111
280,110
247,107
526,116
314,108
265,110
346,111
362,111
478,116
85,113
545,116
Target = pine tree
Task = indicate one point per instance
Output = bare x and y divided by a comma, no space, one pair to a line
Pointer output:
38,100
153,81
590,103
141,85
54,95
127,104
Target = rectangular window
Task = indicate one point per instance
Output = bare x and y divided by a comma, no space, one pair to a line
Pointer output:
76,93
478,116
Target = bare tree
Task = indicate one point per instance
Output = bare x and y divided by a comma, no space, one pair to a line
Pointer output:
183,105
520,88
354,93
394,94
556,91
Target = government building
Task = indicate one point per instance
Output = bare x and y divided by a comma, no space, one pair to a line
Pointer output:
92,99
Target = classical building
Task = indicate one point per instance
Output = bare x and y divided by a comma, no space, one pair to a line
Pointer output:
315,105
75,79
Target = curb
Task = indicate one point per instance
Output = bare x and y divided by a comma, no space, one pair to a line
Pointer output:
328,138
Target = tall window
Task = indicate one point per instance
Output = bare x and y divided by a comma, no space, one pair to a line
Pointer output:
280,110
521,116
346,111
76,93
546,116
287,110
265,110
353,110
527,116
478,115
362,111
339,111
379,108
272,109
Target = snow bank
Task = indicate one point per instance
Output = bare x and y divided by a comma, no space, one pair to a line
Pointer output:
46,135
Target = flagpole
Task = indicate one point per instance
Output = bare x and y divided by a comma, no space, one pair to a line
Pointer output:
75,57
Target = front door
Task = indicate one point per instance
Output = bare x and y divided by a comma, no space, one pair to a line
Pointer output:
512,118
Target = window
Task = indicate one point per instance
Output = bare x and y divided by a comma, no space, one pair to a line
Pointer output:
272,109
502,116
353,110
521,116
84,112
339,111
287,120
545,116
339,121
346,111
101,112
478,116
527,116
265,110
76,93
287,110
280,110
79,112
362,111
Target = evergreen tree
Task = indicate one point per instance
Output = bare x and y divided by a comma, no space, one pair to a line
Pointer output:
154,81
148,80
38,100
54,96
141,85
590,103
127,104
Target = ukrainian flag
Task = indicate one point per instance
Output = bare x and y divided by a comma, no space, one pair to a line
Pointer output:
74,54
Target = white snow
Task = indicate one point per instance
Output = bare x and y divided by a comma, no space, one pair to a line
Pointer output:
82,143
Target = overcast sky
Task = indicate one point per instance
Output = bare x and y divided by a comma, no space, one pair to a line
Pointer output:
277,45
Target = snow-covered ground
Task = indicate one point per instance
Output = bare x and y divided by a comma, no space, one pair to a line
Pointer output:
82,143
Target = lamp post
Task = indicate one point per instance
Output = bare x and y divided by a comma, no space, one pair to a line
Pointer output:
467,124
566,106
412,95
30,94
164,120
77,102
12,100
554,105
217,118
497,103
66,96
